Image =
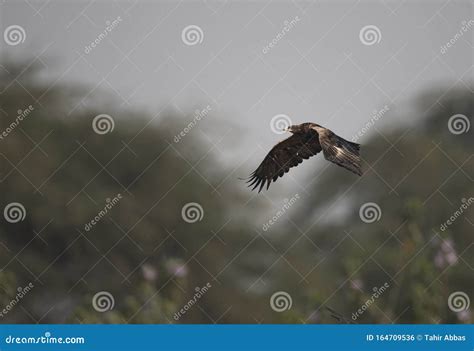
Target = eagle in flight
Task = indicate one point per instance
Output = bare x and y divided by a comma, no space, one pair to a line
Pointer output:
307,140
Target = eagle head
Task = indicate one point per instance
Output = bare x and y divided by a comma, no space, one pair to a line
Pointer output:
294,129
300,128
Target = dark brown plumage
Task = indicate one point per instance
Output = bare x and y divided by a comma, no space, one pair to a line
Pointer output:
307,140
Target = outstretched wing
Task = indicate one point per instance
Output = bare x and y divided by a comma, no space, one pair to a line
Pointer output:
284,155
340,151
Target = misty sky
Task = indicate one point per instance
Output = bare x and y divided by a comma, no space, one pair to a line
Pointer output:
320,70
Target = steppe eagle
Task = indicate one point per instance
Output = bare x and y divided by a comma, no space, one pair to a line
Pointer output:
307,140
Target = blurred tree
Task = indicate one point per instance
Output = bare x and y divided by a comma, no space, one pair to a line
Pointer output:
141,251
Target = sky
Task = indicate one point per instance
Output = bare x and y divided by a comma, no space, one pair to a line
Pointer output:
256,64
